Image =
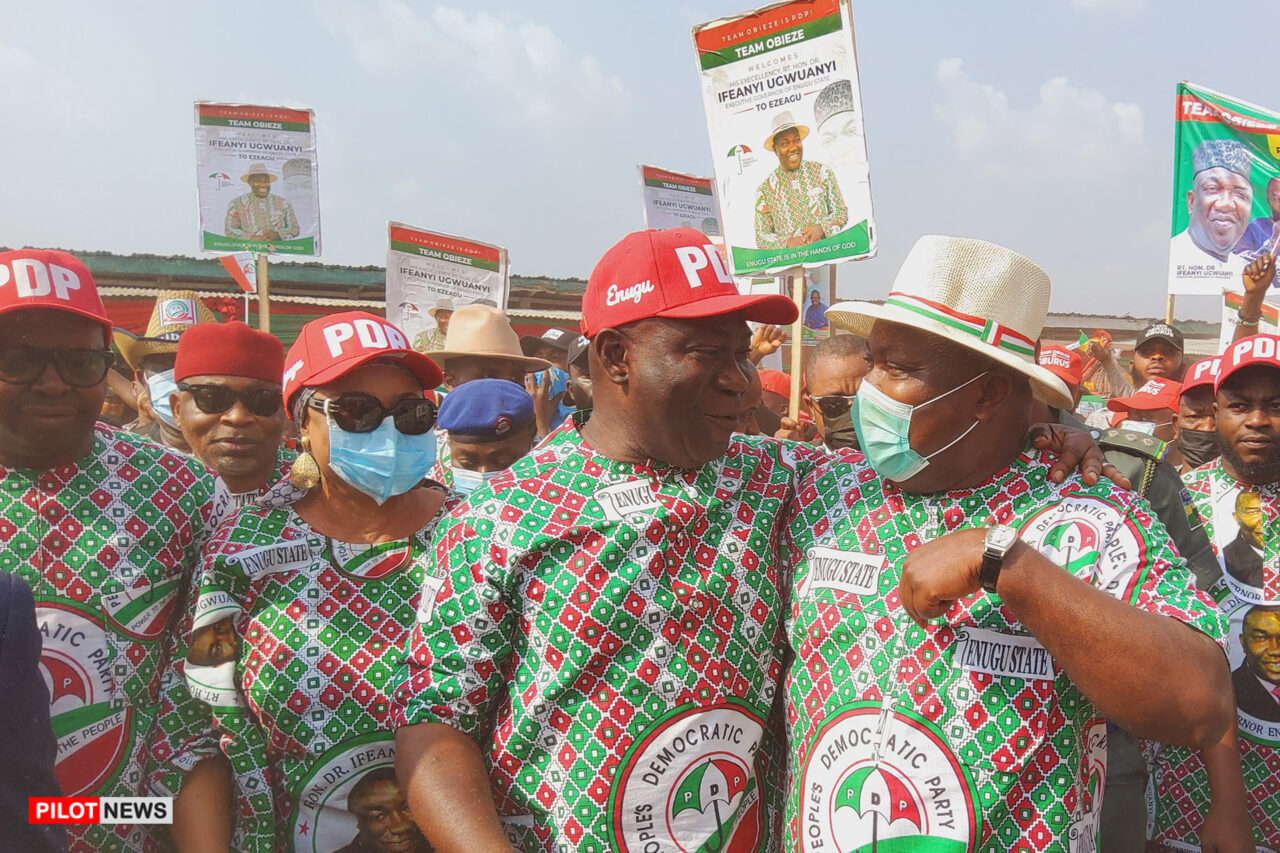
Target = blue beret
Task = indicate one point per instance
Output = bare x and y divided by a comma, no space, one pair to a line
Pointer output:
486,410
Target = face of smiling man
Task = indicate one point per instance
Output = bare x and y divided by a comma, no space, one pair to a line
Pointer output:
789,149
1219,203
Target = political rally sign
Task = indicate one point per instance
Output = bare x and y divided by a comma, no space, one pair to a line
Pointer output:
257,179
1226,192
429,272
784,116
675,200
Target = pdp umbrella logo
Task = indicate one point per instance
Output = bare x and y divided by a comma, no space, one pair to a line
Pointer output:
92,731
875,782
688,785
1092,538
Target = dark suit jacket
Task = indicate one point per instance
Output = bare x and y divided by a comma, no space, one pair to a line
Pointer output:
26,739
1252,698
1243,563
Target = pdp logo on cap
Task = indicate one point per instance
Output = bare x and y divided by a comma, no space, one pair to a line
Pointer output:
34,278
365,333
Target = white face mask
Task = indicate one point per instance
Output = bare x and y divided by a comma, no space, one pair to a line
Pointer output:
1143,426
466,481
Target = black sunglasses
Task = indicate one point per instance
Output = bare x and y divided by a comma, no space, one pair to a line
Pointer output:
216,399
359,412
79,368
833,405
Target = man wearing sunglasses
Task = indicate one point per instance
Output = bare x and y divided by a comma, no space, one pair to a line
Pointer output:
106,529
831,378
229,405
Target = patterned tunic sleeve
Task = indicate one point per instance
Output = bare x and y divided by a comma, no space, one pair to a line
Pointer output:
835,214
456,668
766,222
234,225
1136,562
211,674
183,734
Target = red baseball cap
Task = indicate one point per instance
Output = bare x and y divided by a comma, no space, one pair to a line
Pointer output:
1063,363
1202,374
1154,394
775,381
678,273
336,345
1255,349
229,349
47,278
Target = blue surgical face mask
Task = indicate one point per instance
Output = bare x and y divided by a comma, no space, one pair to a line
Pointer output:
467,481
159,387
883,426
382,463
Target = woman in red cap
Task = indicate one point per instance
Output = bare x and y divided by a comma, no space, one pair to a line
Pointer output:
305,602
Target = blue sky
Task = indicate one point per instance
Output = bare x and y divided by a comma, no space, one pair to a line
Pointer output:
1045,126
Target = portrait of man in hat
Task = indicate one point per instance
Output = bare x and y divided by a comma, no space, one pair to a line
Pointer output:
800,202
259,215
1218,206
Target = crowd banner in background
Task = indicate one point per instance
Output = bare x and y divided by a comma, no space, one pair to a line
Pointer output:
257,179
1226,190
1231,302
784,116
675,200
429,273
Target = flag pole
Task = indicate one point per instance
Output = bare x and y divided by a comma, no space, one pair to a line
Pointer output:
797,342
1168,309
264,293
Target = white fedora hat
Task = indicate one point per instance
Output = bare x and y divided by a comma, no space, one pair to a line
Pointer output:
979,295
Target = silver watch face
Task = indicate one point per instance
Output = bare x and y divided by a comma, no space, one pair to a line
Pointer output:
1000,538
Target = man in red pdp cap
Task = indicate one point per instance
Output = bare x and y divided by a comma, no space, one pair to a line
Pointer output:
229,405
617,588
1238,496
106,529
1150,409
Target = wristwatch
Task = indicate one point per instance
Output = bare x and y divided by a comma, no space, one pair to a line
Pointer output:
1000,539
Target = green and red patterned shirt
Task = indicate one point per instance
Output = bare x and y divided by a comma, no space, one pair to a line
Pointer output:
1243,523
788,202
250,217
109,545
295,642
611,634
965,735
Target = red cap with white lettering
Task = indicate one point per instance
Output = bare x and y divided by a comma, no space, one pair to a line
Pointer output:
1154,394
1255,349
336,345
47,278
1202,374
677,273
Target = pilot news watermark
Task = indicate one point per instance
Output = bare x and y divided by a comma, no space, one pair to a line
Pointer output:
100,810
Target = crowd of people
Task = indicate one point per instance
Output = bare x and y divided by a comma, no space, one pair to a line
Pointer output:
602,590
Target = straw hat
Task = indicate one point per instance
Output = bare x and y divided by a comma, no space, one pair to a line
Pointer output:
260,170
479,331
444,303
783,121
979,295
175,311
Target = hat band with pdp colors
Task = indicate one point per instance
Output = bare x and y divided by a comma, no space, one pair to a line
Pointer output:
338,344
48,278
673,274
981,296
174,313
1246,352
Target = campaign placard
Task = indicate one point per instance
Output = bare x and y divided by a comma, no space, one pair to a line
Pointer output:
784,116
1226,192
676,200
431,274
257,179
